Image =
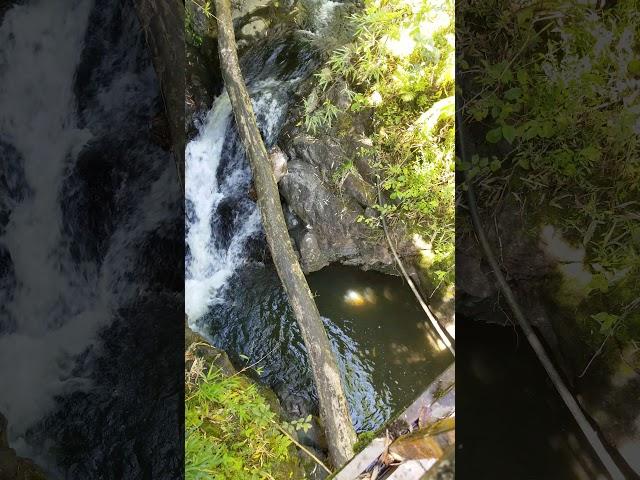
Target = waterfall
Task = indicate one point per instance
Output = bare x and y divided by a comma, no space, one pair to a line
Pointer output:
209,267
220,218
87,190
40,54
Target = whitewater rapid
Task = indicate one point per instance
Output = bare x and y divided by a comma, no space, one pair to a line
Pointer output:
217,180
71,244
40,52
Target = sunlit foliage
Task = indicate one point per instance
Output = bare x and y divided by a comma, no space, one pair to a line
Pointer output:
399,66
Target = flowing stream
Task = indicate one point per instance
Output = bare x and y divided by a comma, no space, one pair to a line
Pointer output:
386,352
84,196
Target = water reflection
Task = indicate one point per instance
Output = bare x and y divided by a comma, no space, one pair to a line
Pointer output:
374,325
359,298
511,421
386,326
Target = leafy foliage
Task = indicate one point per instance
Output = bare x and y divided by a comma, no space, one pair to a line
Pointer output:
192,8
557,97
231,431
303,424
399,66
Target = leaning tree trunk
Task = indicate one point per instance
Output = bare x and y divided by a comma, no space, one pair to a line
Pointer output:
163,25
333,405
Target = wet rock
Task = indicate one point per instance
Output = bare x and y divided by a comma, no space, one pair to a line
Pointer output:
359,189
326,154
516,246
197,347
333,219
471,278
279,162
312,469
312,257
364,163
311,200
160,132
203,81
334,212
198,22
340,96
290,218
314,437
256,27
249,8
371,212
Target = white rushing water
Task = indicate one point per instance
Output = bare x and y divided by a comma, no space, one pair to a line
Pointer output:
209,268
40,52
217,173
59,304
210,265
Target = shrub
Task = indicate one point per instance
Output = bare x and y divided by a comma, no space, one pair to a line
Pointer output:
557,100
399,65
231,431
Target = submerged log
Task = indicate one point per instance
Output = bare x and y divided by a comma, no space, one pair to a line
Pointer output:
163,25
333,405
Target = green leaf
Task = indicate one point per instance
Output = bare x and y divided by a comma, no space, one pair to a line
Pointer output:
522,76
634,67
524,16
546,129
590,153
606,320
494,135
509,133
513,93
599,282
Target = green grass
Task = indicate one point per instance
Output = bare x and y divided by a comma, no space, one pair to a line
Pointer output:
232,432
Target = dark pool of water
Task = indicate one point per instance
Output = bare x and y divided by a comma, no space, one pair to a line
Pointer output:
512,423
386,350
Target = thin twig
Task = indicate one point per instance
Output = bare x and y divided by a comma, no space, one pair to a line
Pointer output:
244,369
301,447
434,322
597,352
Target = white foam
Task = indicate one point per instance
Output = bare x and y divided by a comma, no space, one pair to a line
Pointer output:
209,268
58,305
40,51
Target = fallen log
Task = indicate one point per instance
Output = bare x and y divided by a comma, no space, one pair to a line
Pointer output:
333,405
414,441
